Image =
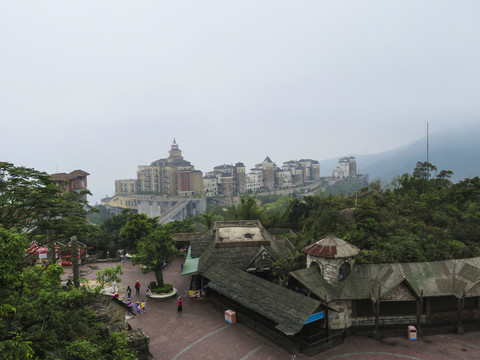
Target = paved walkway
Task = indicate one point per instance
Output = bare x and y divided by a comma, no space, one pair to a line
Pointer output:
200,331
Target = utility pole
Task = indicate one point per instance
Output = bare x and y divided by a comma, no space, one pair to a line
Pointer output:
428,155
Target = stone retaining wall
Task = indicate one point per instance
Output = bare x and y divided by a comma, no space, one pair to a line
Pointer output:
138,341
343,317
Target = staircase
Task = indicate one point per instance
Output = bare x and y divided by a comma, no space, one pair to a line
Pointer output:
171,213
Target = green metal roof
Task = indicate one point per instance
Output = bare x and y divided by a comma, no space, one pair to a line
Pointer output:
438,278
190,267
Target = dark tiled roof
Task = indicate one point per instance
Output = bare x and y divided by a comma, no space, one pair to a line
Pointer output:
219,167
438,278
180,162
237,256
173,163
285,247
79,173
160,162
186,236
237,253
200,243
288,309
65,177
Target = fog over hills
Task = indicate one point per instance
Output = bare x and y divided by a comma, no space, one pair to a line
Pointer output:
456,149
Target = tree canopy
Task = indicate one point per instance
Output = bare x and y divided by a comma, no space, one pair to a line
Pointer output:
247,208
39,316
156,246
31,203
421,216
154,250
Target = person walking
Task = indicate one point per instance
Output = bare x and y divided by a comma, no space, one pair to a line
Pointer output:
144,307
147,295
129,291
138,308
179,305
137,288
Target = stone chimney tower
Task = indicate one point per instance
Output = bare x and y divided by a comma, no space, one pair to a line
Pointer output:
333,256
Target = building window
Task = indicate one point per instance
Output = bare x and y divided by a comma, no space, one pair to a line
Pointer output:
344,270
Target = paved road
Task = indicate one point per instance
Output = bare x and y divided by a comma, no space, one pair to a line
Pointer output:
200,332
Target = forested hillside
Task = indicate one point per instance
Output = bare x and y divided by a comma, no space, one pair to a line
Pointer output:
422,216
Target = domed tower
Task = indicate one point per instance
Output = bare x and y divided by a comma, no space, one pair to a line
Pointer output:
175,152
333,256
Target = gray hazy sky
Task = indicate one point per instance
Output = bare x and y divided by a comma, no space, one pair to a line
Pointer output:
104,86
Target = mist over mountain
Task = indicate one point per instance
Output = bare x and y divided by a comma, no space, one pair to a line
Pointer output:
457,149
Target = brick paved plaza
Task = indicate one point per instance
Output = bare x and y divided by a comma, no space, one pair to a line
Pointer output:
200,332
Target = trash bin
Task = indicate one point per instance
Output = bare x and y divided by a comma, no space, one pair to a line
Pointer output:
412,333
230,317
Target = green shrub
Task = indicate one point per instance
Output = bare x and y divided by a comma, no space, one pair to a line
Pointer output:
163,290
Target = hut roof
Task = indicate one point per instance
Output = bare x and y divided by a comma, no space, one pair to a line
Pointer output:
331,247
236,243
288,309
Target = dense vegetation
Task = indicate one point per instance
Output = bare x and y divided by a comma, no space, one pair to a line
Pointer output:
154,244
151,243
126,230
421,216
40,318
100,214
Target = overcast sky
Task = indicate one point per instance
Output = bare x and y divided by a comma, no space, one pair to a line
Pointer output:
105,86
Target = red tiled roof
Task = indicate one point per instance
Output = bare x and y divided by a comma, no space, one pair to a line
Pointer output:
320,251
331,247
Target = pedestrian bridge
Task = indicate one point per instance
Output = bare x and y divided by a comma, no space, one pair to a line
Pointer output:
171,209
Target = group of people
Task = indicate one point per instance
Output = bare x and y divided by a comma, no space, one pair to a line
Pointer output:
142,306
139,306
137,291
